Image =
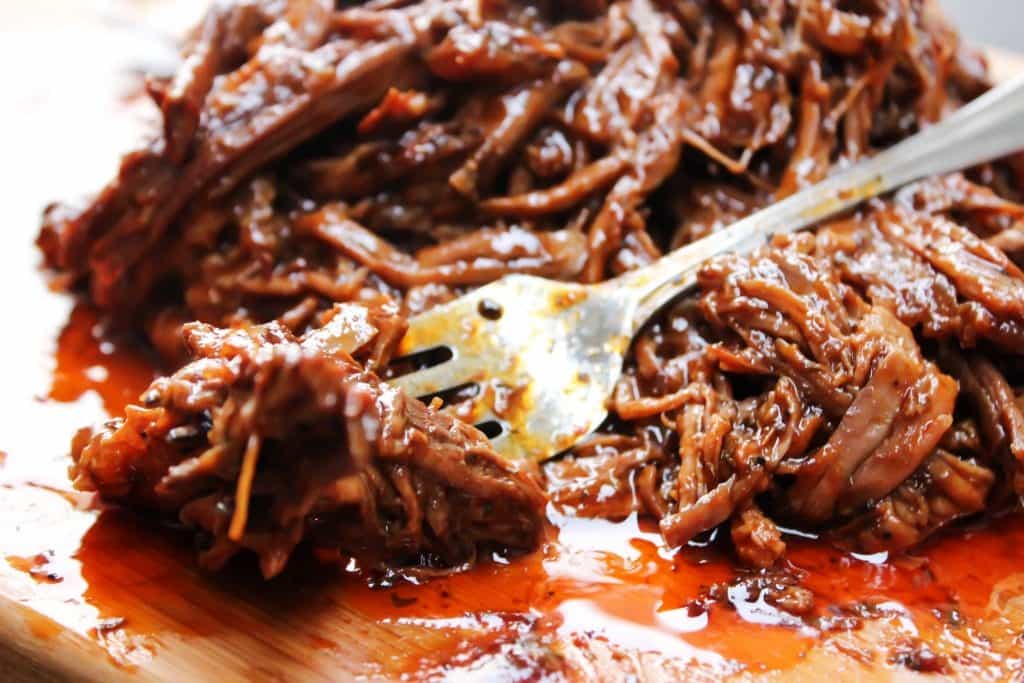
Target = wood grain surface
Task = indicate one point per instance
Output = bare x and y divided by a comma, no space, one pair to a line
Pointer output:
109,597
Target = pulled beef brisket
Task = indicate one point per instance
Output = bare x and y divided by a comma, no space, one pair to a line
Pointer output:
265,440
933,273
859,380
945,488
428,120
1000,422
859,365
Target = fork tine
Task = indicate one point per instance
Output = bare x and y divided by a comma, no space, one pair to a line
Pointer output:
432,380
430,330
481,413
511,448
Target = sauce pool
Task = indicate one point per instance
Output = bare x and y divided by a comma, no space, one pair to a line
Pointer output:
597,594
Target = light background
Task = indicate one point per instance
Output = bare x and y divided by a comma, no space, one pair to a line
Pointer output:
994,22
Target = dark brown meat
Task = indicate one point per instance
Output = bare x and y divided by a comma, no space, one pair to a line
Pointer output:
477,258
857,364
850,428
728,453
396,154
378,91
943,489
521,111
229,35
265,440
493,51
275,102
757,540
932,273
1000,421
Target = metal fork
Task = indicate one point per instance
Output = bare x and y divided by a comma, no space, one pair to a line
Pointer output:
544,356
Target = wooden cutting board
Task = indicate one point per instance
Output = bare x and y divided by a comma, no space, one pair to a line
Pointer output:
111,597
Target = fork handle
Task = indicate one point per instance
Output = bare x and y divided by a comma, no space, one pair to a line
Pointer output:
989,127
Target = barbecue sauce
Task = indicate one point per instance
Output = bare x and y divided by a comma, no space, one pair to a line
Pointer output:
130,584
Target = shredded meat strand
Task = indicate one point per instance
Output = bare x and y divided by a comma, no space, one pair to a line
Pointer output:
265,440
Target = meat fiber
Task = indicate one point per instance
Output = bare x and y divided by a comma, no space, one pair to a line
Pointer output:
265,440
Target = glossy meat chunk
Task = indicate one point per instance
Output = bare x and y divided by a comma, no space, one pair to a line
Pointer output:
913,258
859,365
264,441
